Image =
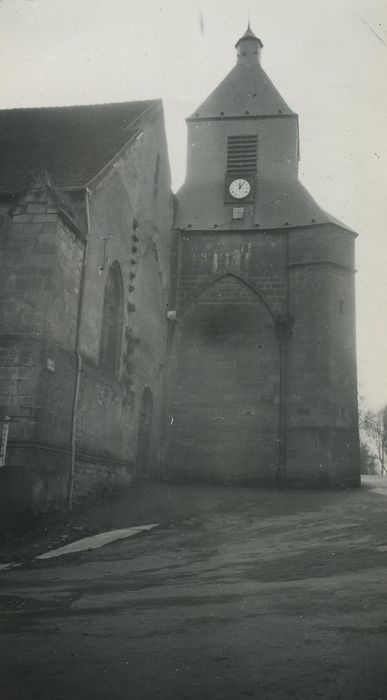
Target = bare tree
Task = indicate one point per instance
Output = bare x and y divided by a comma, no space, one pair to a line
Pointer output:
374,424
368,462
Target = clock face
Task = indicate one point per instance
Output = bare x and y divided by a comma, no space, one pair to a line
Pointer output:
239,188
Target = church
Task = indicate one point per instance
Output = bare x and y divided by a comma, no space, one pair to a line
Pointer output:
207,336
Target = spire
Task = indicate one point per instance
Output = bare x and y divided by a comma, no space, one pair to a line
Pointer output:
246,90
249,47
249,33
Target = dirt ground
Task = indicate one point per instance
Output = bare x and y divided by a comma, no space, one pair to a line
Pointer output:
239,593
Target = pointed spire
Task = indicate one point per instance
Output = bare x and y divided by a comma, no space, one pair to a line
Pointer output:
249,47
249,33
246,90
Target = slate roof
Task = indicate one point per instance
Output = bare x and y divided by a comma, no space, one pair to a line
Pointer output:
246,90
280,204
72,144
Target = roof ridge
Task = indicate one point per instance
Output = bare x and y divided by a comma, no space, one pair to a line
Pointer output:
79,106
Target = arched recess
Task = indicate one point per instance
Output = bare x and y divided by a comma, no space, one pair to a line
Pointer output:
225,387
188,302
112,319
151,252
149,322
149,326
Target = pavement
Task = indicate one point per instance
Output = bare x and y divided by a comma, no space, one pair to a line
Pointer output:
236,593
23,537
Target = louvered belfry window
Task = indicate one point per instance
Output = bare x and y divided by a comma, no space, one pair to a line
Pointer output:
242,154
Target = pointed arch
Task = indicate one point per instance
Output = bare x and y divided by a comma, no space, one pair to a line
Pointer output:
224,390
214,280
154,247
112,319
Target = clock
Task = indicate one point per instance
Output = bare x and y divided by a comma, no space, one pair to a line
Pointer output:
239,188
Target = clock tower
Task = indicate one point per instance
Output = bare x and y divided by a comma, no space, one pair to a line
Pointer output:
262,362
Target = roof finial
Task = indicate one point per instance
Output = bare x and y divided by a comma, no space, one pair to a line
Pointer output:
248,47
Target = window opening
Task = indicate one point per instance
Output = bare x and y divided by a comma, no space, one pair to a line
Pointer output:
156,176
110,348
242,154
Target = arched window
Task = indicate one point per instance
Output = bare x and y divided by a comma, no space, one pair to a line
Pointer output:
111,335
156,176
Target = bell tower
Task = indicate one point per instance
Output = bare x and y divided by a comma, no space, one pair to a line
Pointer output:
262,378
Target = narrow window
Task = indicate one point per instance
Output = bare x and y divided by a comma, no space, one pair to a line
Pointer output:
156,176
242,154
110,348
341,307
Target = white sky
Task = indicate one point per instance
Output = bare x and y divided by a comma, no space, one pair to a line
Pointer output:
328,58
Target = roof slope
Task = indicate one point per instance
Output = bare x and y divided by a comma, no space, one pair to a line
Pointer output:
247,89
71,143
280,204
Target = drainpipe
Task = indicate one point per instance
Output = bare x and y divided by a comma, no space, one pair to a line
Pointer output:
74,414
4,441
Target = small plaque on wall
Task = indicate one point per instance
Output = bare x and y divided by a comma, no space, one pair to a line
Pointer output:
238,212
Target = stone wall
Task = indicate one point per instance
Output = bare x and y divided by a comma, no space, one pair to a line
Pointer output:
259,258
130,224
224,359
235,400
225,396
126,221
322,382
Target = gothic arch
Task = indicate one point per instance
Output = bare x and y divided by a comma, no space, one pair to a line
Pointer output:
112,319
212,281
225,384
152,248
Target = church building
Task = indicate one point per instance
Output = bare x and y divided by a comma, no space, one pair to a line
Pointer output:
207,336
85,224
262,368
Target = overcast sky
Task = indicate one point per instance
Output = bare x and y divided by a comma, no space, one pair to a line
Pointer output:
328,58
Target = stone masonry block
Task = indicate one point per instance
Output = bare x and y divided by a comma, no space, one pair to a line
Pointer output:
36,208
31,229
21,218
43,218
